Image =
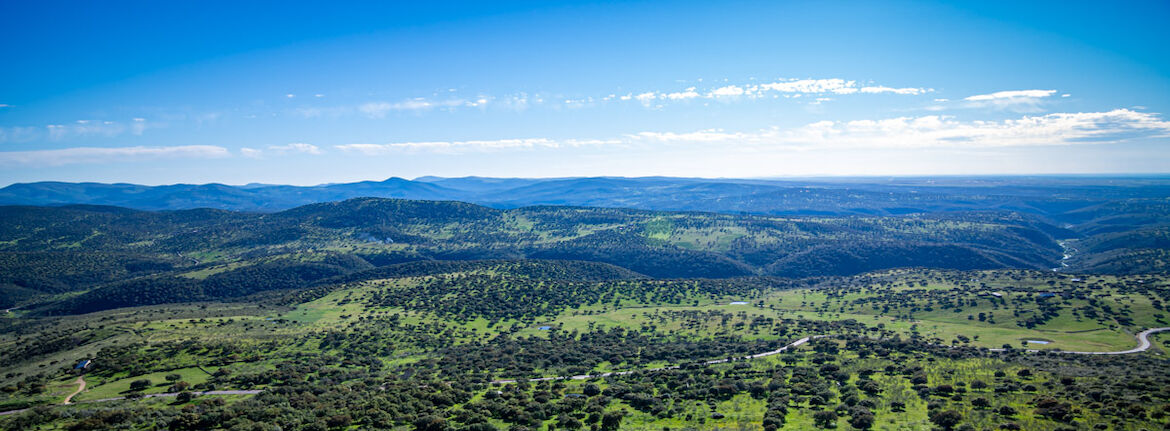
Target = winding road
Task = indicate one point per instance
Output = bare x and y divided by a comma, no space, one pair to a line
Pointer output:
1143,345
80,387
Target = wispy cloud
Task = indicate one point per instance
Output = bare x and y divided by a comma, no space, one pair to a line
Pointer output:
788,88
90,155
938,132
75,129
20,134
931,131
1023,101
295,148
380,109
282,150
1013,94
465,146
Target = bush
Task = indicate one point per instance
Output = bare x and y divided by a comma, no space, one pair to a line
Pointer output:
946,419
140,384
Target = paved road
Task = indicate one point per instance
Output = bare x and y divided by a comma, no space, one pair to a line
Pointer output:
1142,337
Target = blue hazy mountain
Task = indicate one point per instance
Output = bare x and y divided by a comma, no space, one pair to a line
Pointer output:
1074,198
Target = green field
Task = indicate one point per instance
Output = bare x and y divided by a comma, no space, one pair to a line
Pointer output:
501,322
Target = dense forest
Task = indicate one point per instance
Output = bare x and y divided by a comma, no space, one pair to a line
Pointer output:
449,344
396,314
111,254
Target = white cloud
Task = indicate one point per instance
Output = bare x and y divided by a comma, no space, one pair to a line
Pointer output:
882,89
793,88
1022,101
295,147
92,128
87,155
137,126
281,150
1014,94
380,109
923,132
689,93
645,97
19,134
472,145
934,131
5,105
812,86
728,91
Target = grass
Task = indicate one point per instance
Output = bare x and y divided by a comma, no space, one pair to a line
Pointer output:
298,329
99,388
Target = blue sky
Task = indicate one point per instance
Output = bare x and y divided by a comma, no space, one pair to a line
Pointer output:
280,92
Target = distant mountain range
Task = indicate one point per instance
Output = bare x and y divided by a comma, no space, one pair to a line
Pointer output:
1058,198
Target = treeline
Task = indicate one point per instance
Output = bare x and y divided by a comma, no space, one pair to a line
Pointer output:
122,257
236,283
498,297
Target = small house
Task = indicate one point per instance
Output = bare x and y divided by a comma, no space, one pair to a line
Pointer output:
83,366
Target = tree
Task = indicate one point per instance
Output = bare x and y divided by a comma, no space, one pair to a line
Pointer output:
568,422
184,397
870,387
861,420
139,384
430,423
946,419
591,390
339,421
824,418
611,421
1054,410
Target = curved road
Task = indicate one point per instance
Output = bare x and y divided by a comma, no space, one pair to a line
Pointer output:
1143,345
1142,337
80,387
